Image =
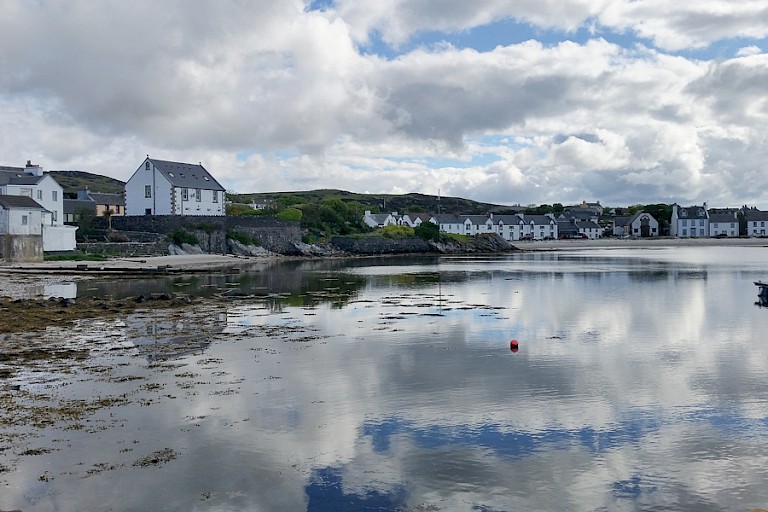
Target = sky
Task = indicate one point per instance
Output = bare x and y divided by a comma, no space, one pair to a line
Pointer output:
508,102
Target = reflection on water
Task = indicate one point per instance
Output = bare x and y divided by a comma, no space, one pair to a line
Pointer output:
640,383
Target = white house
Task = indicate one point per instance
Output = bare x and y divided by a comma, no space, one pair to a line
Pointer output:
32,182
508,227
160,187
724,224
379,220
21,229
691,221
641,224
477,224
756,222
539,227
449,223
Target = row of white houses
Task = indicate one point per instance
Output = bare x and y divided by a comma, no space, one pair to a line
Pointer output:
510,227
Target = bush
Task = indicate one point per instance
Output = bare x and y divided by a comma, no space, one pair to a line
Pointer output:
427,231
243,238
115,236
395,232
290,214
182,237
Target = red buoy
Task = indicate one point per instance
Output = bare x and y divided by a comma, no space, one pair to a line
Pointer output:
513,345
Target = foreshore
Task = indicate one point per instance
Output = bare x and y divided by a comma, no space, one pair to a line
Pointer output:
214,262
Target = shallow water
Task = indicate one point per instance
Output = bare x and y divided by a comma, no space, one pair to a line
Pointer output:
640,383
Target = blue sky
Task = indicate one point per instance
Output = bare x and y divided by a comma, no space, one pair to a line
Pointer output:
529,102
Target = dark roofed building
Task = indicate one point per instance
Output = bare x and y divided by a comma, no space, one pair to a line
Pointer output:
162,187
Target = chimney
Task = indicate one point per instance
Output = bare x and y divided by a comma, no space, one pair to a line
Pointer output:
34,169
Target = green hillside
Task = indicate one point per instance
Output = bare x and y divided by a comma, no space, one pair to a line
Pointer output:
375,202
72,181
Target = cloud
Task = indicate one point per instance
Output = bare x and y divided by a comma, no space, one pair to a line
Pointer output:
276,96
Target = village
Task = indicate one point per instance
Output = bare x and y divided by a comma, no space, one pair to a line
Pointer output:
36,218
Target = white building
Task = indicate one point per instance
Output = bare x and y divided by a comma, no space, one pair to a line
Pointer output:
21,229
32,182
379,220
641,224
160,187
692,221
724,224
756,222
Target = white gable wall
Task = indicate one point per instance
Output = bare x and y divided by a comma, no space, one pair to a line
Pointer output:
161,192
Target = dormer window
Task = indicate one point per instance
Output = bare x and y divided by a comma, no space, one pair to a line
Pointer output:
684,213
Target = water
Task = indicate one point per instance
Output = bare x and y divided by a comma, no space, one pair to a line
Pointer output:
640,383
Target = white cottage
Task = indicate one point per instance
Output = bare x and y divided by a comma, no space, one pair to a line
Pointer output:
160,187
21,229
32,182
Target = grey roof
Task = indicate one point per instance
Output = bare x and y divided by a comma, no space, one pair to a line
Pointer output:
19,202
448,218
623,220
691,212
506,219
18,177
537,219
108,199
186,175
73,205
753,215
722,218
475,219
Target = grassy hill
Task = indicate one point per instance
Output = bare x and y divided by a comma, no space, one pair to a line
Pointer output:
377,202
72,181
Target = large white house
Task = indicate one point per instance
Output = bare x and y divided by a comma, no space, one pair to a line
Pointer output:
160,187
32,182
691,221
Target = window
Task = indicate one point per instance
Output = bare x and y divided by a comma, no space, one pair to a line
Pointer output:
148,211
685,222
185,194
54,216
701,222
198,195
24,220
54,195
146,165
147,190
40,195
215,196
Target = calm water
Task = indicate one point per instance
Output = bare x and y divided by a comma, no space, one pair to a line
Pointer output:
640,383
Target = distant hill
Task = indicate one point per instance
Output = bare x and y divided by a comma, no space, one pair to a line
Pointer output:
72,181
384,202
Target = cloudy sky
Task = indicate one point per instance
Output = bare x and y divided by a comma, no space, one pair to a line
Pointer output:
525,101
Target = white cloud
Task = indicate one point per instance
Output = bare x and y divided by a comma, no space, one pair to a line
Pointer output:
273,97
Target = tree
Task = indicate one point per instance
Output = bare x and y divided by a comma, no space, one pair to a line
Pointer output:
108,213
428,231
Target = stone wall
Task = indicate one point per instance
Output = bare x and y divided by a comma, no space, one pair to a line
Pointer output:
381,245
21,248
211,232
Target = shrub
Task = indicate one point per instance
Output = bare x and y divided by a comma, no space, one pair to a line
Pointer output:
428,231
182,237
290,214
243,238
395,232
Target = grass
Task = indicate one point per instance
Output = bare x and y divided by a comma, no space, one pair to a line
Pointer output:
75,257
